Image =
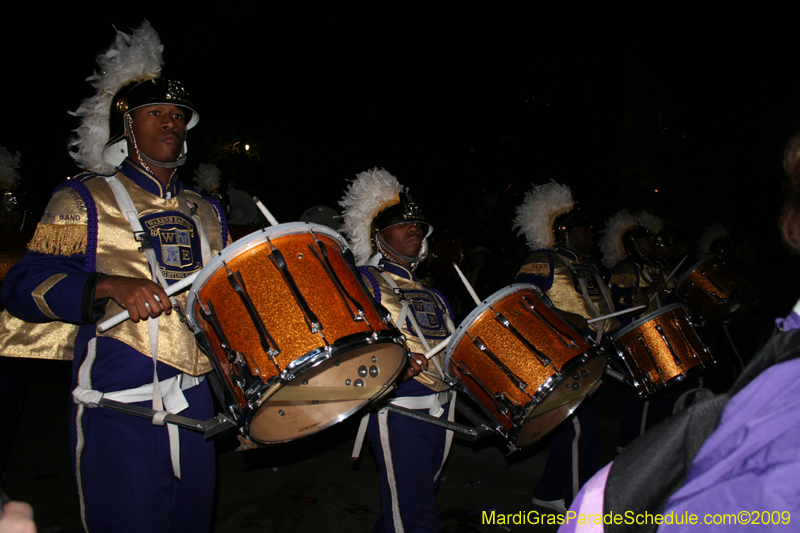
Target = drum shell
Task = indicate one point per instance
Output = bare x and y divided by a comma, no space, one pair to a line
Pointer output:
715,292
661,349
570,355
303,353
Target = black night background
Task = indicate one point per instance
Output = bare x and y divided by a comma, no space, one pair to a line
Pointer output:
683,114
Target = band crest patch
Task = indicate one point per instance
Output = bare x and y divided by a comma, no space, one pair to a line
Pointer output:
176,243
429,316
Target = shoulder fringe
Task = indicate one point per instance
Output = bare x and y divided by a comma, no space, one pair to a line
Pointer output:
59,239
611,244
711,234
537,213
371,192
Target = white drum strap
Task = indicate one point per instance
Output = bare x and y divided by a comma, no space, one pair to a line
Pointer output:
132,216
649,279
205,248
431,402
588,300
405,312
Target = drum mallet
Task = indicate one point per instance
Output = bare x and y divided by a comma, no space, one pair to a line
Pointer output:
123,316
617,313
264,211
470,290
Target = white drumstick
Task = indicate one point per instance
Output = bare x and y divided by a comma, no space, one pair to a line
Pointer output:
123,316
265,212
618,313
467,285
438,348
676,268
670,275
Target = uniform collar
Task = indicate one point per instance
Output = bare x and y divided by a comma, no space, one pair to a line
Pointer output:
398,270
145,180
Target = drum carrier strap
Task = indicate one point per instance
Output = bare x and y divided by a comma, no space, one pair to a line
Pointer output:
167,393
432,402
601,286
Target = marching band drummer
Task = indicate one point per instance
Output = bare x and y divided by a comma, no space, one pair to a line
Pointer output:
561,240
388,235
638,277
115,237
629,251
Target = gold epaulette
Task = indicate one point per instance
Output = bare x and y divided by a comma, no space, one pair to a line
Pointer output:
535,269
59,239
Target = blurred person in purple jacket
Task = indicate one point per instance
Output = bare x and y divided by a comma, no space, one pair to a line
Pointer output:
731,459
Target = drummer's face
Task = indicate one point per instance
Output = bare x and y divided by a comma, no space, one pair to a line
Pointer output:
581,239
405,238
646,245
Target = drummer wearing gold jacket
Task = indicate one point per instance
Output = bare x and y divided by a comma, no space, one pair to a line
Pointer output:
388,234
562,239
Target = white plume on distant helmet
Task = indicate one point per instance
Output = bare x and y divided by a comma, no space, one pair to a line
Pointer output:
537,213
611,244
370,193
134,57
710,234
651,221
9,163
207,177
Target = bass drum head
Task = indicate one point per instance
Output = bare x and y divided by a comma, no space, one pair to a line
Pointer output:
566,394
297,410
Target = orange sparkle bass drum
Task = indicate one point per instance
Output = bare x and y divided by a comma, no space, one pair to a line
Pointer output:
297,341
526,367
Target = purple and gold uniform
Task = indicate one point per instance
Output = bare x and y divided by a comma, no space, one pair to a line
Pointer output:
630,275
411,452
573,284
562,274
82,236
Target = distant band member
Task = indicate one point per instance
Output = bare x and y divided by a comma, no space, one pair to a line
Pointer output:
561,239
388,234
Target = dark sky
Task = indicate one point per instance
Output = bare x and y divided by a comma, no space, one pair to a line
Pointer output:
455,103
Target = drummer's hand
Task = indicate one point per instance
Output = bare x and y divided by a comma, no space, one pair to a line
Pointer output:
416,364
141,297
576,320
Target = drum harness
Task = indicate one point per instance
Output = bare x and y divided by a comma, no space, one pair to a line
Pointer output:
432,402
601,285
167,395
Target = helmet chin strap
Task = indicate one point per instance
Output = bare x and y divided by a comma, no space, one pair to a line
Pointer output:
385,249
143,159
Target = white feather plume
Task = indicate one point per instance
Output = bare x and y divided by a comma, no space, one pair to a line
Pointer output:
134,57
611,245
711,234
366,196
9,163
207,177
651,221
537,213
